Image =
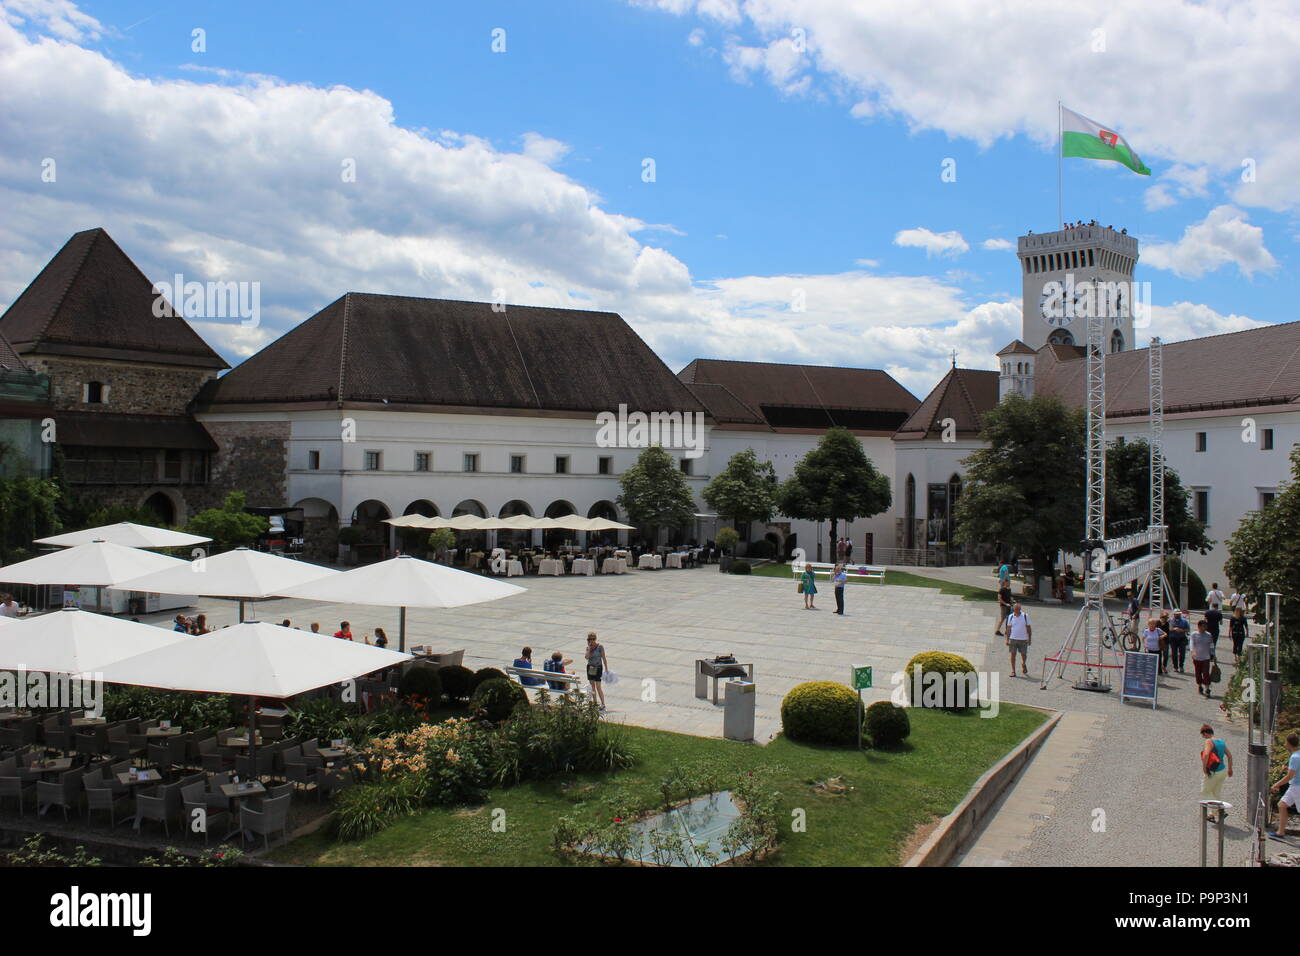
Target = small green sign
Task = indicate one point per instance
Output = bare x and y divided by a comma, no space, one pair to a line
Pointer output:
861,678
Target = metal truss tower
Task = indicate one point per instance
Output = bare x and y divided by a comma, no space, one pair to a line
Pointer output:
1156,374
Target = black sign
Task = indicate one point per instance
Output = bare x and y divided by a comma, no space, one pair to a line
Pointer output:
1141,672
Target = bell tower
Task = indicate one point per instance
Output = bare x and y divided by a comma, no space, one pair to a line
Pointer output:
1067,273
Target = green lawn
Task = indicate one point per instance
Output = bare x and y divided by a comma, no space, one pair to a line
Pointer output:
891,794
901,578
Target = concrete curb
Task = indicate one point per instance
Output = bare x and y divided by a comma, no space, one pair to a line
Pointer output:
969,815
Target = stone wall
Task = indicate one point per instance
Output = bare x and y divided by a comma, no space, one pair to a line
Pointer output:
134,388
252,457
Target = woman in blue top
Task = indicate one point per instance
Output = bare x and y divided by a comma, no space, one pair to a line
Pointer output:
839,579
809,582
1216,764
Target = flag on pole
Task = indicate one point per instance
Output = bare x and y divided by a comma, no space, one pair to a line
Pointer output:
1082,137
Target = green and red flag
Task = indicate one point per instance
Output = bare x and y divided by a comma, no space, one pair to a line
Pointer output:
1085,138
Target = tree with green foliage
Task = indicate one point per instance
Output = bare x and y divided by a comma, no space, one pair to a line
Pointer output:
833,482
28,510
1026,488
229,526
744,491
655,494
1128,497
1264,556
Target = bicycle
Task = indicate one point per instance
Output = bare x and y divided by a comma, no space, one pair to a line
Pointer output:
1126,636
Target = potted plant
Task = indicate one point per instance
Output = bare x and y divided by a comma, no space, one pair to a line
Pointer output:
726,541
440,540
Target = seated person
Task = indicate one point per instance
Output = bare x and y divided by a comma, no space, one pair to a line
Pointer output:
556,664
525,660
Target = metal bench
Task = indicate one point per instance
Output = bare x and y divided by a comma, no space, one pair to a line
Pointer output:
572,682
860,572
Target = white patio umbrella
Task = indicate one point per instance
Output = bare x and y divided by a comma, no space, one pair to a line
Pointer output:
411,521
604,524
240,575
254,660
128,535
405,582
72,641
97,564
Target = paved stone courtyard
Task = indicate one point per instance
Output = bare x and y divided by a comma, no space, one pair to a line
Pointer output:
1135,765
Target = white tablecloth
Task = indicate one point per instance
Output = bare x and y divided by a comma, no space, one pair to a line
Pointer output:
614,566
674,560
647,562
584,566
552,566
514,568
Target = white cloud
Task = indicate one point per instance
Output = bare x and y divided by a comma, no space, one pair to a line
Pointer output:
998,245
58,18
1224,237
1184,181
984,72
1189,320
948,243
544,150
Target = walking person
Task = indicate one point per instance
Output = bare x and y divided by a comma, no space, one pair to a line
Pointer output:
1153,639
1202,657
1004,606
1216,764
1179,631
1067,584
808,585
848,550
1162,622
1238,630
1020,634
839,579
1288,801
597,662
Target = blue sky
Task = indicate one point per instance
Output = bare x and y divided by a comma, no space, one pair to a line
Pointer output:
768,175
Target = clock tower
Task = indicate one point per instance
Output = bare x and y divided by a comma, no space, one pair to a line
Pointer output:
1067,273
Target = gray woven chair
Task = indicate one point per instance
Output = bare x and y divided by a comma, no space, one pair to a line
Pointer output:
161,804
273,817
100,795
64,793
195,806
15,784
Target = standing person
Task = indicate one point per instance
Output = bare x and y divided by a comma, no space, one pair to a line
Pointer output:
1153,639
1004,605
1238,630
1216,764
848,550
1238,600
1004,575
1214,598
344,631
1179,631
1067,584
1288,801
1162,622
1202,657
381,639
808,581
1134,606
1020,634
596,664
839,579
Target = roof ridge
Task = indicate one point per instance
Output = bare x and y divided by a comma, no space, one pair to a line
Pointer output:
58,303
343,343
523,360
970,402
804,372
945,384
845,368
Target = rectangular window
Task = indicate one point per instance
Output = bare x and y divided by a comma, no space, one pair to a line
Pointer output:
561,464
516,464
471,462
313,460
1203,507
1266,440
423,461
1201,441
605,465
374,460
686,466
1266,498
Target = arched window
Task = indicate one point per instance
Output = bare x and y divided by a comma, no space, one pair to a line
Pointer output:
1060,337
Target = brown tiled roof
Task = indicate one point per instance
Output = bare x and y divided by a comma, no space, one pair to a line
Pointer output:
809,396
1238,369
1016,347
436,352
725,407
109,430
92,300
963,395
9,359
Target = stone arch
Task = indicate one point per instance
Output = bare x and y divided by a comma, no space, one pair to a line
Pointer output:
471,540
510,538
167,504
319,527
422,506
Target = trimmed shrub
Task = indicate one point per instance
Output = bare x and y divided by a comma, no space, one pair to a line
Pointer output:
741,566
498,698
887,724
486,674
821,712
457,682
421,682
727,539
949,689
760,549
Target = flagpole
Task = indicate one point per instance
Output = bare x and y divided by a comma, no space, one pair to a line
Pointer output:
1060,162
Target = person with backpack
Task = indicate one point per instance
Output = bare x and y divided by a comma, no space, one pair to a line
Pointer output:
1216,764
1004,606
1203,657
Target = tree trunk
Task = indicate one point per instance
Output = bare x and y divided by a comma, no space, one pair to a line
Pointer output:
835,555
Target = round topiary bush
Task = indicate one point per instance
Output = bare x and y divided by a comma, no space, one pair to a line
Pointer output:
422,682
486,674
943,681
741,566
821,712
887,724
457,682
498,698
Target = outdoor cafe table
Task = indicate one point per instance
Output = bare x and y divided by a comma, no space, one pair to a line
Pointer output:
552,566
650,562
584,566
8,716
614,566
162,732
142,776
88,721
514,568
242,741
57,765
674,561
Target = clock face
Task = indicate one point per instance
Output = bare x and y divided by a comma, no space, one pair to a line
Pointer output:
1051,306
